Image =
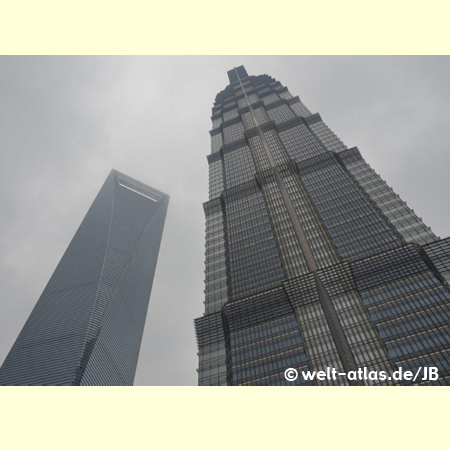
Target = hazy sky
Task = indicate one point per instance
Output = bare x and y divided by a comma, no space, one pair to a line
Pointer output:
65,122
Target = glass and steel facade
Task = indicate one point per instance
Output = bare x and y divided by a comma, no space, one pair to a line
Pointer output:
312,260
87,326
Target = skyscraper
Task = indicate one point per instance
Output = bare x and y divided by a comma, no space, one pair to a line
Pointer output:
312,260
87,326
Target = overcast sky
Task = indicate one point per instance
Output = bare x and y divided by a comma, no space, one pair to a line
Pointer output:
65,122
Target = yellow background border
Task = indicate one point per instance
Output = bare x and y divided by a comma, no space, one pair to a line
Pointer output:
215,418
223,418
231,27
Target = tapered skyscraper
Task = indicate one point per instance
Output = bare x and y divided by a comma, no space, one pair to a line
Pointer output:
87,326
312,261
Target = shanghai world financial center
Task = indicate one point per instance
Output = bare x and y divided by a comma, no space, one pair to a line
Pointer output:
87,326
312,262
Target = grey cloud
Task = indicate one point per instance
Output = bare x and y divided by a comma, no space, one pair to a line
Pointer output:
66,121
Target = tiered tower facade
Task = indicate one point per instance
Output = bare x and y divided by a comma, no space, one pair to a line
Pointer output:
312,260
